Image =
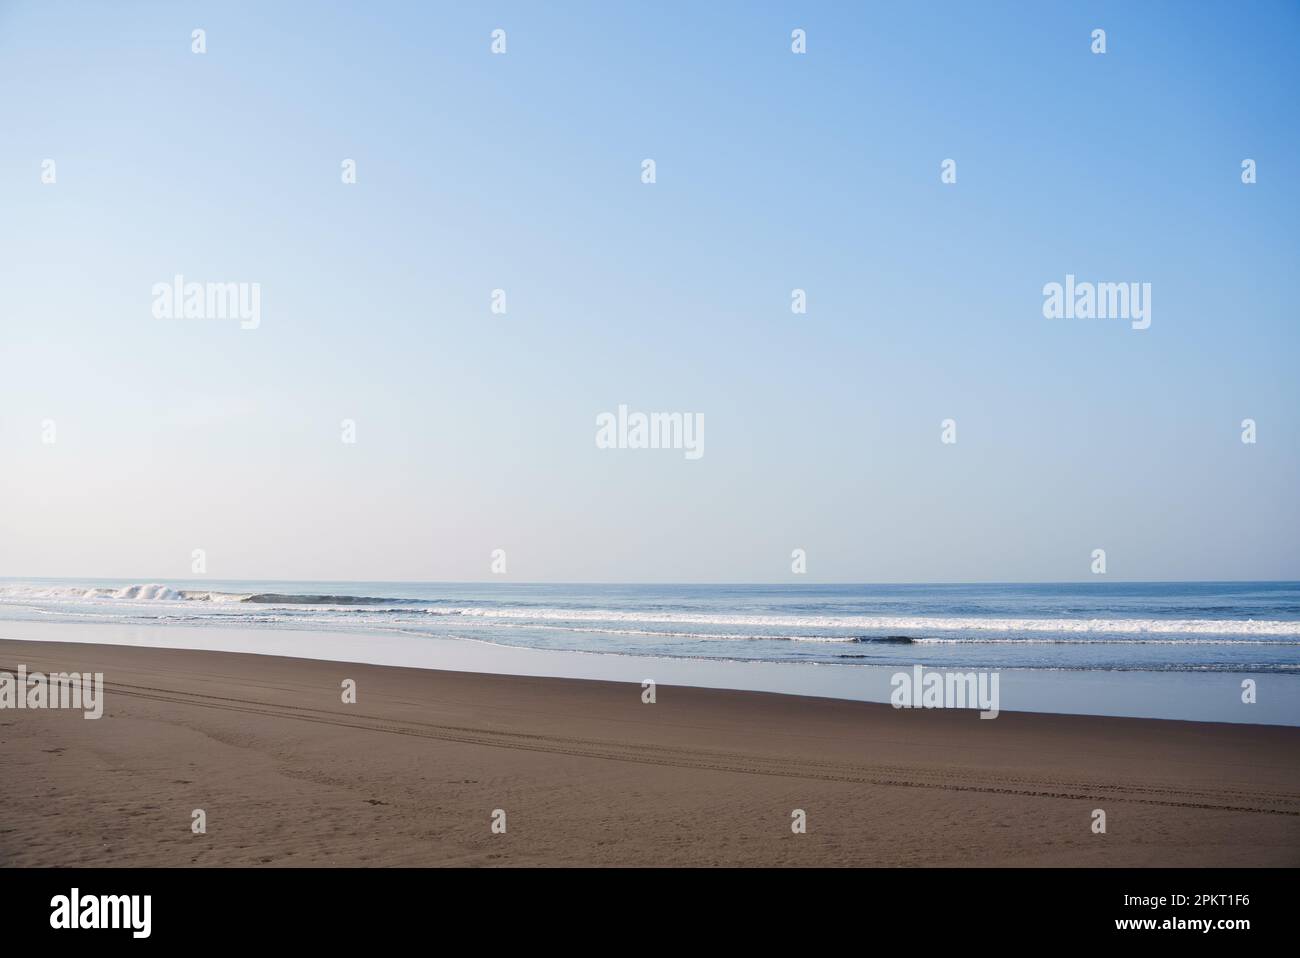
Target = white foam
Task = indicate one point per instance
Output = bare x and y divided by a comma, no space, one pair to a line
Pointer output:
903,625
922,628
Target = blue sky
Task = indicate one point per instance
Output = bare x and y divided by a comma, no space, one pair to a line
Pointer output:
774,171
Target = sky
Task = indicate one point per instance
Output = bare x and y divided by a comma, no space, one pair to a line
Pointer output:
774,171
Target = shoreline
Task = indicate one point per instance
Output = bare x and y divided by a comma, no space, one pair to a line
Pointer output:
1183,696
589,774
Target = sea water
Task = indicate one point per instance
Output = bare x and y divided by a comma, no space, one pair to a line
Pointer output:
1247,627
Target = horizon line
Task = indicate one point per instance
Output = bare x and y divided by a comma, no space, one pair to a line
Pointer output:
610,582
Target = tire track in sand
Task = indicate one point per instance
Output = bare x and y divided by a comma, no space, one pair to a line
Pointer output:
893,776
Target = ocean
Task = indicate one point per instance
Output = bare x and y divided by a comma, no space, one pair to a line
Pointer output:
1247,627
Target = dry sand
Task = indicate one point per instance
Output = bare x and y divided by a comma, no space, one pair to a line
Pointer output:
589,775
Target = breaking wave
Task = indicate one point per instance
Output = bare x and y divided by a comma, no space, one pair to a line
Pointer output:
897,629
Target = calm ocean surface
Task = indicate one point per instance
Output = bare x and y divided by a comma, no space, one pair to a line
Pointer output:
1094,626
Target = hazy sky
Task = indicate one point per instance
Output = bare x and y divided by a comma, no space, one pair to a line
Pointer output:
775,171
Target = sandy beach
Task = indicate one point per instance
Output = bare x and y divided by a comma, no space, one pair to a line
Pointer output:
586,773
